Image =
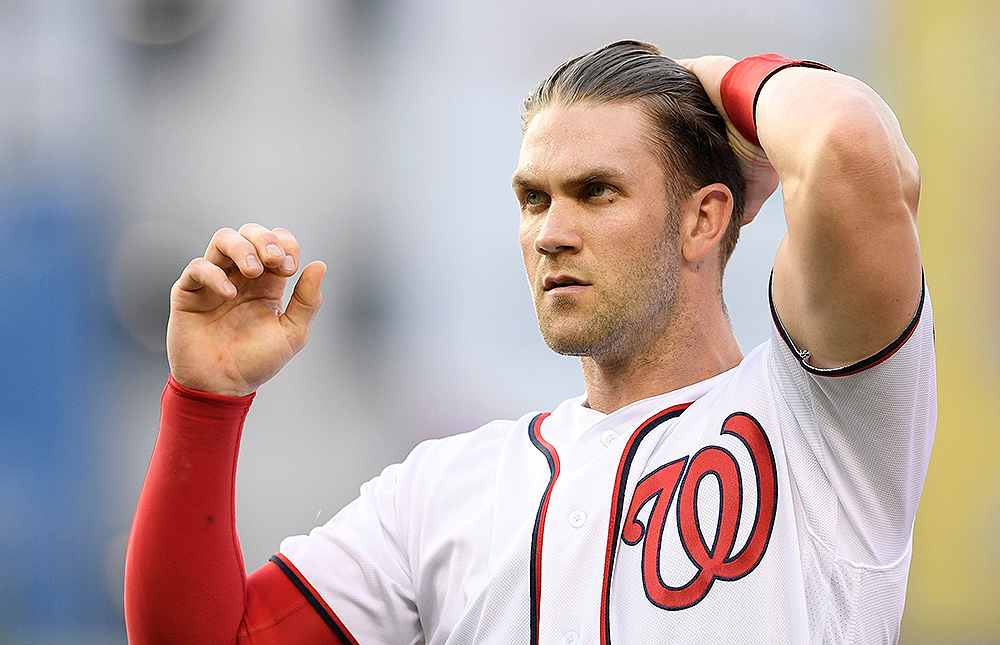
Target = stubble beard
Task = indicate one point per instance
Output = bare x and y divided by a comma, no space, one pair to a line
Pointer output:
625,320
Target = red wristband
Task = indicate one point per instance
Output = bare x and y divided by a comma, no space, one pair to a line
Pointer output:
742,83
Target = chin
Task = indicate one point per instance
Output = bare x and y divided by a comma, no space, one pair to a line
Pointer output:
569,348
570,329
571,340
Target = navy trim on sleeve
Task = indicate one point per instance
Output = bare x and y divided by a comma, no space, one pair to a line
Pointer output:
334,624
854,368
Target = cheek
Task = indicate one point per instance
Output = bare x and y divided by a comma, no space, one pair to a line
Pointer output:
527,234
530,258
636,254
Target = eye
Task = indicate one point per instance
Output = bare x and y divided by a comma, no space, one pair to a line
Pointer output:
597,190
535,198
601,192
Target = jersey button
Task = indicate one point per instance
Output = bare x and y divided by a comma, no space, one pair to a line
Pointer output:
570,638
576,520
608,437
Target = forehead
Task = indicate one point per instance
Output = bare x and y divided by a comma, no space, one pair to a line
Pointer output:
570,139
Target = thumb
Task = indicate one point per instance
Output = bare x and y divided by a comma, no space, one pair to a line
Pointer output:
303,305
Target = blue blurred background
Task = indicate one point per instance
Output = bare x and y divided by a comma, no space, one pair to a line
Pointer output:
383,133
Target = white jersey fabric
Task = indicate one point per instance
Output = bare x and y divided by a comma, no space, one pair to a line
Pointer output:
773,503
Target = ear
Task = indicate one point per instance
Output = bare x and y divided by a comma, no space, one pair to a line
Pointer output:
706,216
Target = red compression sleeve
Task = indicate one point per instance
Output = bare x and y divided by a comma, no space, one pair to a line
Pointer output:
741,87
184,576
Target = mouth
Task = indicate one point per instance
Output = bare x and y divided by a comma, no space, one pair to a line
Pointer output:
563,284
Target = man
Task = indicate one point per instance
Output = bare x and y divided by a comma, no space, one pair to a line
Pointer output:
693,494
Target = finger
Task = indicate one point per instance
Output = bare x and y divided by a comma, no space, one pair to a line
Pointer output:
710,70
229,247
267,244
201,273
291,248
685,62
715,65
303,305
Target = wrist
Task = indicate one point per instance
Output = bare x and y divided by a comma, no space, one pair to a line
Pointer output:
207,391
741,87
237,400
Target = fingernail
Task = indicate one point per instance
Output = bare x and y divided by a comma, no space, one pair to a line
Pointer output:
253,263
229,289
274,251
288,264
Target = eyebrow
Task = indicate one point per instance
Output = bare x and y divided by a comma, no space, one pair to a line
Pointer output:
588,176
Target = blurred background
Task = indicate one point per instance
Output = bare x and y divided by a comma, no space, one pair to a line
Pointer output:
383,133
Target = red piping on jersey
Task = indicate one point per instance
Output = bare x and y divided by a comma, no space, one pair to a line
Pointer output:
535,435
617,501
315,599
853,368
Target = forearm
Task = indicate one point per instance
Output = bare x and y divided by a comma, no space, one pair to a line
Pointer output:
185,580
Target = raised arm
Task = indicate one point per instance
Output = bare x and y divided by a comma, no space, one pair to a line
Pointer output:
847,276
185,580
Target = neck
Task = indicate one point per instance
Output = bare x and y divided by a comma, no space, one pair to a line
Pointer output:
697,344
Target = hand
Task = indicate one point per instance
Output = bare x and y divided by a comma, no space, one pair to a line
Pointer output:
760,176
227,333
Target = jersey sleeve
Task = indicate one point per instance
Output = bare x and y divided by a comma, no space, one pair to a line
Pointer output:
355,568
858,439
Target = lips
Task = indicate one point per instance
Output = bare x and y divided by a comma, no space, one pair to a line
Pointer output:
563,281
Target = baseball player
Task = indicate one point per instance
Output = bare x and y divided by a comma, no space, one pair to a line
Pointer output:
692,494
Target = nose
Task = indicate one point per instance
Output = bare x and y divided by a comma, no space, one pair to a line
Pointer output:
559,232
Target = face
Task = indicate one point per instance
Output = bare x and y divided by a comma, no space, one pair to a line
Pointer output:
599,233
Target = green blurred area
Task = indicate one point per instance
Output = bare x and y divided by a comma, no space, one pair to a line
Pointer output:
944,60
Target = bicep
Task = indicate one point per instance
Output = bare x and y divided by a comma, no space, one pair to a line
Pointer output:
847,276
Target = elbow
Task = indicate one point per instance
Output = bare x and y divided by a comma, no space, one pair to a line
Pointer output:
909,172
862,141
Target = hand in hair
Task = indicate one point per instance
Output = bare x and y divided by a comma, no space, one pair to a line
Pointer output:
761,178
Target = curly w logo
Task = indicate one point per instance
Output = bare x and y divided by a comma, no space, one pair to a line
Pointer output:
680,480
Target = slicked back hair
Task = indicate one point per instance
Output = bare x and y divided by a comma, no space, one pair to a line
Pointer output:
686,131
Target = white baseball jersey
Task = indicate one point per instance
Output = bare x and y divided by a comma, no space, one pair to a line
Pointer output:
773,503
